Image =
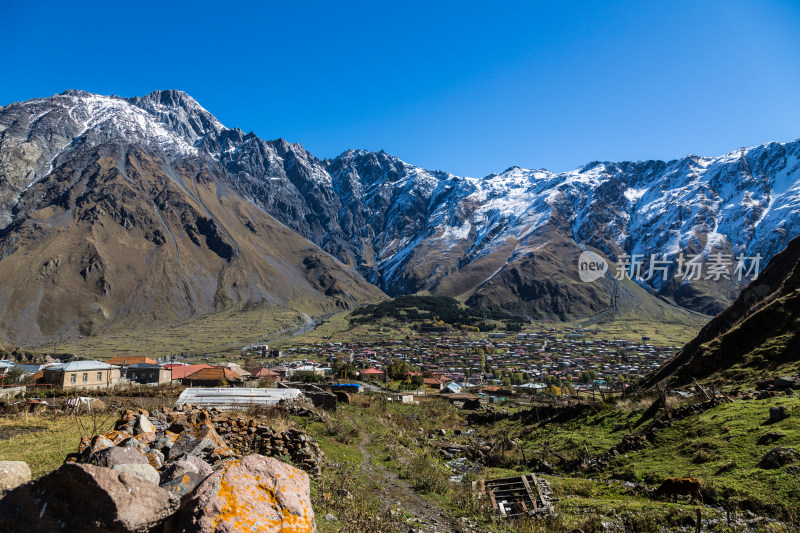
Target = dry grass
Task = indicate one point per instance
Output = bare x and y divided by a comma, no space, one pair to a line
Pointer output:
196,336
636,403
345,492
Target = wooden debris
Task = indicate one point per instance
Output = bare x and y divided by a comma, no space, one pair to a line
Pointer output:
517,496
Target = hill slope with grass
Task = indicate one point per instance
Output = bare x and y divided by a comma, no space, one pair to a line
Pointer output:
757,336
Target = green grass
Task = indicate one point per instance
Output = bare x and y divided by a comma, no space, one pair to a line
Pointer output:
718,446
45,439
400,433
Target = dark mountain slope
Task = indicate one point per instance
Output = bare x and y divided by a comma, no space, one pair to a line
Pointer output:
759,334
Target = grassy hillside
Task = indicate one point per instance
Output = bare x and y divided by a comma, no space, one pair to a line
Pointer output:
720,447
227,331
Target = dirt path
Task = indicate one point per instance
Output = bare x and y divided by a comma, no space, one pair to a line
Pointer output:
397,494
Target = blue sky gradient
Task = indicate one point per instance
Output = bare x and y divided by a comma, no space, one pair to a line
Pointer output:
470,88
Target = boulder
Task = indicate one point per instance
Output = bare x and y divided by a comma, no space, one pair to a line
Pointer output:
143,472
143,425
79,497
779,456
201,440
786,382
13,474
776,414
769,438
99,443
135,444
188,465
118,455
202,467
166,441
255,493
155,458
183,484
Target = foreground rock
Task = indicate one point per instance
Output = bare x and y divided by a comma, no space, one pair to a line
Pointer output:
256,493
13,474
117,455
86,498
132,479
143,472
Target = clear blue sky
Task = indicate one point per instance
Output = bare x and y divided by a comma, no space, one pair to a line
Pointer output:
470,88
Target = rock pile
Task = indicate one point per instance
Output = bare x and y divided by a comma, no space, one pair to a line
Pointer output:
631,442
210,435
189,471
247,436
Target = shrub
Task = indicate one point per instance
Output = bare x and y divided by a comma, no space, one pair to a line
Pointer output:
426,473
343,491
342,430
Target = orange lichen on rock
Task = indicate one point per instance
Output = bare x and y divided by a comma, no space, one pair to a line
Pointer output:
252,495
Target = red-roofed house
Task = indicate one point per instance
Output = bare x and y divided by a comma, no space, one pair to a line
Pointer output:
264,373
372,374
181,371
214,376
433,383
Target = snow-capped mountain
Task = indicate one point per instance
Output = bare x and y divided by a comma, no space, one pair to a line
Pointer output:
508,240
407,229
113,213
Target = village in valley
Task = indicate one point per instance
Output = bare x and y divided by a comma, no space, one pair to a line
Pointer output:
495,364
571,362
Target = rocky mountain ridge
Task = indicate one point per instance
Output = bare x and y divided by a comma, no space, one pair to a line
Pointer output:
114,214
508,241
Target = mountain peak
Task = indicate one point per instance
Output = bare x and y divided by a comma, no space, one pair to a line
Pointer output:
76,92
180,112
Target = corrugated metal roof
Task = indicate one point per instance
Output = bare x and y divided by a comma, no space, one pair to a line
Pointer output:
77,366
31,369
233,398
